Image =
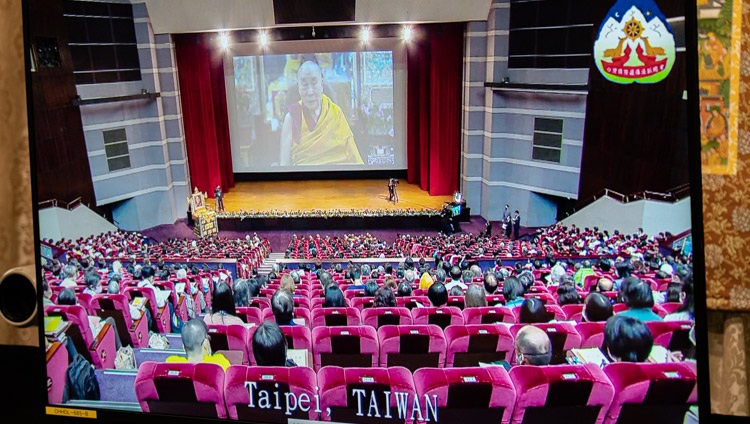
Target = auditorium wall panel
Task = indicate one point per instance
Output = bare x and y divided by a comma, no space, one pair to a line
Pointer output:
153,190
549,76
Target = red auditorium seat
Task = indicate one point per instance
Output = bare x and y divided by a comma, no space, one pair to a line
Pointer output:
590,281
318,302
565,394
671,307
231,339
362,303
410,302
456,301
98,349
160,315
335,317
673,335
260,303
547,298
412,346
592,333
352,293
177,301
339,388
294,384
661,392
57,365
442,317
301,302
181,389
562,335
299,313
461,395
488,315
345,346
495,300
133,332
250,315
554,311
573,312
84,299
378,317
467,345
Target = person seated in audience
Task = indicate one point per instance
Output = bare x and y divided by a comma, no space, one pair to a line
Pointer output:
223,309
637,296
46,293
371,287
241,292
627,339
596,308
672,295
533,311
282,306
437,294
623,269
490,283
603,284
456,280
526,278
513,292
404,289
475,297
113,287
197,344
92,281
270,346
687,310
557,270
147,273
68,297
533,346
356,278
584,271
287,283
70,273
409,276
567,295
334,297
425,281
390,283
456,291
384,298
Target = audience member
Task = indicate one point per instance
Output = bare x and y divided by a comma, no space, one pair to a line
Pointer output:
223,310
287,283
490,283
475,297
93,286
596,308
567,295
437,294
533,346
627,339
197,345
370,288
241,290
456,291
455,274
404,289
384,298
639,299
687,310
270,346
334,297
513,292
282,306
533,311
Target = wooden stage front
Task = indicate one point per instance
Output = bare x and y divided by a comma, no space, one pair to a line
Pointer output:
275,198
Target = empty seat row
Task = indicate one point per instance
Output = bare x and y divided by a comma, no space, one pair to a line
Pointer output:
619,393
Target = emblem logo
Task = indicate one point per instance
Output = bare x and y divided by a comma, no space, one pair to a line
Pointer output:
635,43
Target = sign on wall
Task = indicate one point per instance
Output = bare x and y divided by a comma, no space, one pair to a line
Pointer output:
635,43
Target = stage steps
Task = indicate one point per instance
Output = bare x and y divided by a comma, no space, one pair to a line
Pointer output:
267,265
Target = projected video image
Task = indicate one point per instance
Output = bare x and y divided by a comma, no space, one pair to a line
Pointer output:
320,111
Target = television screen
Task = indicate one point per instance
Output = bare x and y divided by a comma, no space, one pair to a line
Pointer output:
217,241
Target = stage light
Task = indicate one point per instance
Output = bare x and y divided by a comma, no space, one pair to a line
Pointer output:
263,39
407,33
224,40
365,35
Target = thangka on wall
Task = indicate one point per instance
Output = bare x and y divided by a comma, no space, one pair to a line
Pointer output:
719,36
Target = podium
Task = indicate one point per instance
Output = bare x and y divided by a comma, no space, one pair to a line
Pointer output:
206,223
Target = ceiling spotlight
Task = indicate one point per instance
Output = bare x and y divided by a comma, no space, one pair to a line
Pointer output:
365,34
263,38
224,40
407,33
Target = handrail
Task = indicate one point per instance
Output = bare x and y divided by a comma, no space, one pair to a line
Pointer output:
672,195
61,204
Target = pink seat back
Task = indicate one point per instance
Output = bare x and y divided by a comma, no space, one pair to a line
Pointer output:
410,302
650,390
337,385
488,315
299,313
562,335
57,365
442,316
592,334
378,317
335,317
480,395
229,337
181,389
345,346
473,343
250,315
545,393
243,386
412,346
362,303
573,312
673,335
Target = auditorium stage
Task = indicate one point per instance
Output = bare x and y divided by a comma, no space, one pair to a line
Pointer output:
328,204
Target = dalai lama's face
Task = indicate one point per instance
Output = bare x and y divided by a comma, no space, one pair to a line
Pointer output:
310,84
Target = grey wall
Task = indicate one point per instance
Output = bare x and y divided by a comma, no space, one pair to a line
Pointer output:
153,191
497,165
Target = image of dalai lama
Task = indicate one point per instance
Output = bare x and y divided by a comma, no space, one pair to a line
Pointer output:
315,130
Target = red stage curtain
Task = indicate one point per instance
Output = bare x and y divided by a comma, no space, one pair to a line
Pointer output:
200,69
434,98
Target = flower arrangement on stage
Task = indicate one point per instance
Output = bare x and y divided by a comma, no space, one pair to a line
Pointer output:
331,213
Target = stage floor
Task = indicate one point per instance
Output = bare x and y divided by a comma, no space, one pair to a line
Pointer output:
264,196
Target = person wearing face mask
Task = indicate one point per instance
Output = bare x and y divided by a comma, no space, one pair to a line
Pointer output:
197,345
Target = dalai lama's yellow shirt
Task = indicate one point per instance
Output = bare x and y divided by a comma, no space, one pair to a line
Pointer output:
331,141
216,358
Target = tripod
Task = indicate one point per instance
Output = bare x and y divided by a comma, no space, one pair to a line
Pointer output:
392,193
